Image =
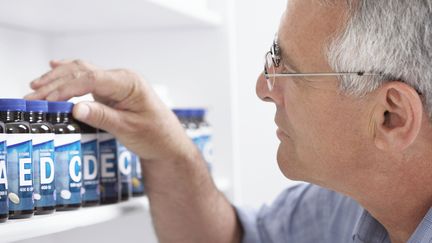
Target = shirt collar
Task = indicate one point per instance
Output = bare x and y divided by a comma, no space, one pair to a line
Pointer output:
369,230
423,233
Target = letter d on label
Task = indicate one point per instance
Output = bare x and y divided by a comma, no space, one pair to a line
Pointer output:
88,161
46,170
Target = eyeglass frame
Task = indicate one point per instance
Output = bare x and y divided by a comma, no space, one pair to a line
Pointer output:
275,54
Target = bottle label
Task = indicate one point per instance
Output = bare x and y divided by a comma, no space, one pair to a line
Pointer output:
110,183
137,180
3,176
68,171
207,148
20,171
44,170
90,153
125,168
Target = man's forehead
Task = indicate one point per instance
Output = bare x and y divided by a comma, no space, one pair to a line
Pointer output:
315,14
307,26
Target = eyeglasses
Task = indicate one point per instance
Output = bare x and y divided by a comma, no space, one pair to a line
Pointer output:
273,60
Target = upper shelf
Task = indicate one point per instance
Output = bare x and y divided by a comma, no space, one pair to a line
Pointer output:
82,16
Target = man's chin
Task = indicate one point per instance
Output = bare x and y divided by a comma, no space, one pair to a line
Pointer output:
288,166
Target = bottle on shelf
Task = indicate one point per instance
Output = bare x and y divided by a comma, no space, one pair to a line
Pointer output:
4,208
91,165
125,169
110,186
137,178
19,158
43,156
67,142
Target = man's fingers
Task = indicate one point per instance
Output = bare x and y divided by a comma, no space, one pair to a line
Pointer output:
56,63
98,115
60,69
111,85
60,90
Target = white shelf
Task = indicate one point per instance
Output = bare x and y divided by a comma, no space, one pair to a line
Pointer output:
21,229
83,16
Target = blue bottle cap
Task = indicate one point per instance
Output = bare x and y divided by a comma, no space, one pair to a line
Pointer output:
37,105
12,105
180,113
60,107
198,112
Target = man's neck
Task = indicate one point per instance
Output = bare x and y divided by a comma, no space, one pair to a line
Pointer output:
398,199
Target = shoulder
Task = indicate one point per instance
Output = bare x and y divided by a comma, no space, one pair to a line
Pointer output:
309,211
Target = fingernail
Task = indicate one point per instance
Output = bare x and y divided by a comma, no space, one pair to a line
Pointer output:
81,111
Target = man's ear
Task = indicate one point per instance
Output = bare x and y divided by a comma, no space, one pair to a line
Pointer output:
397,117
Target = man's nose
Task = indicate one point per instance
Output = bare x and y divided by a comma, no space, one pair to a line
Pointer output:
262,89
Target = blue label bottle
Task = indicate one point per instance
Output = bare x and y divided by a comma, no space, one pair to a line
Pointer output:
43,156
109,173
67,143
137,179
19,158
125,169
4,207
91,165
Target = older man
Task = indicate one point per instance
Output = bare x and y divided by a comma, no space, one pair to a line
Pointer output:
352,83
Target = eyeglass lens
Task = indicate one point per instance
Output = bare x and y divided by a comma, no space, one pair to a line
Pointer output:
270,68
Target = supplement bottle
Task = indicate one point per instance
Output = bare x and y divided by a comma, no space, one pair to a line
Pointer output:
137,179
67,143
43,156
110,186
91,166
18,159
205,133
4,208
125,169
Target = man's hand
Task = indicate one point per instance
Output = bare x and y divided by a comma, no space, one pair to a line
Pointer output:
125,106
185,204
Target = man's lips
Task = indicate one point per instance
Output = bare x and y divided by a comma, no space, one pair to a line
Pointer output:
281,134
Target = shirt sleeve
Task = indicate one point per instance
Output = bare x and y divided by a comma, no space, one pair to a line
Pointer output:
302,213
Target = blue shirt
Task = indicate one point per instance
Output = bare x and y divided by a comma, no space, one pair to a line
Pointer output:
307,213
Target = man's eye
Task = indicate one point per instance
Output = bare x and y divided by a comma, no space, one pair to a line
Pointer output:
285,68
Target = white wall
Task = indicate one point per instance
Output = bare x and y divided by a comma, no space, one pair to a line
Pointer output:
261,179
22,58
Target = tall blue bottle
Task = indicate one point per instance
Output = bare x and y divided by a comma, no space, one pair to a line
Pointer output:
43,156
91,165
4,207
68,172
137,178
19,158
125,161
110,185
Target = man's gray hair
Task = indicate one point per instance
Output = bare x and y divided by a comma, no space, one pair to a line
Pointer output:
393,37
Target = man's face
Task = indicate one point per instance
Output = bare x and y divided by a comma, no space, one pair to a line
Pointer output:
323,133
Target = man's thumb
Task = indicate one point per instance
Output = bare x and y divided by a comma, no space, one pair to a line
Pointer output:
97,115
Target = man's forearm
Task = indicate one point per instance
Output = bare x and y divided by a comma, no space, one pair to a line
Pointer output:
185,204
